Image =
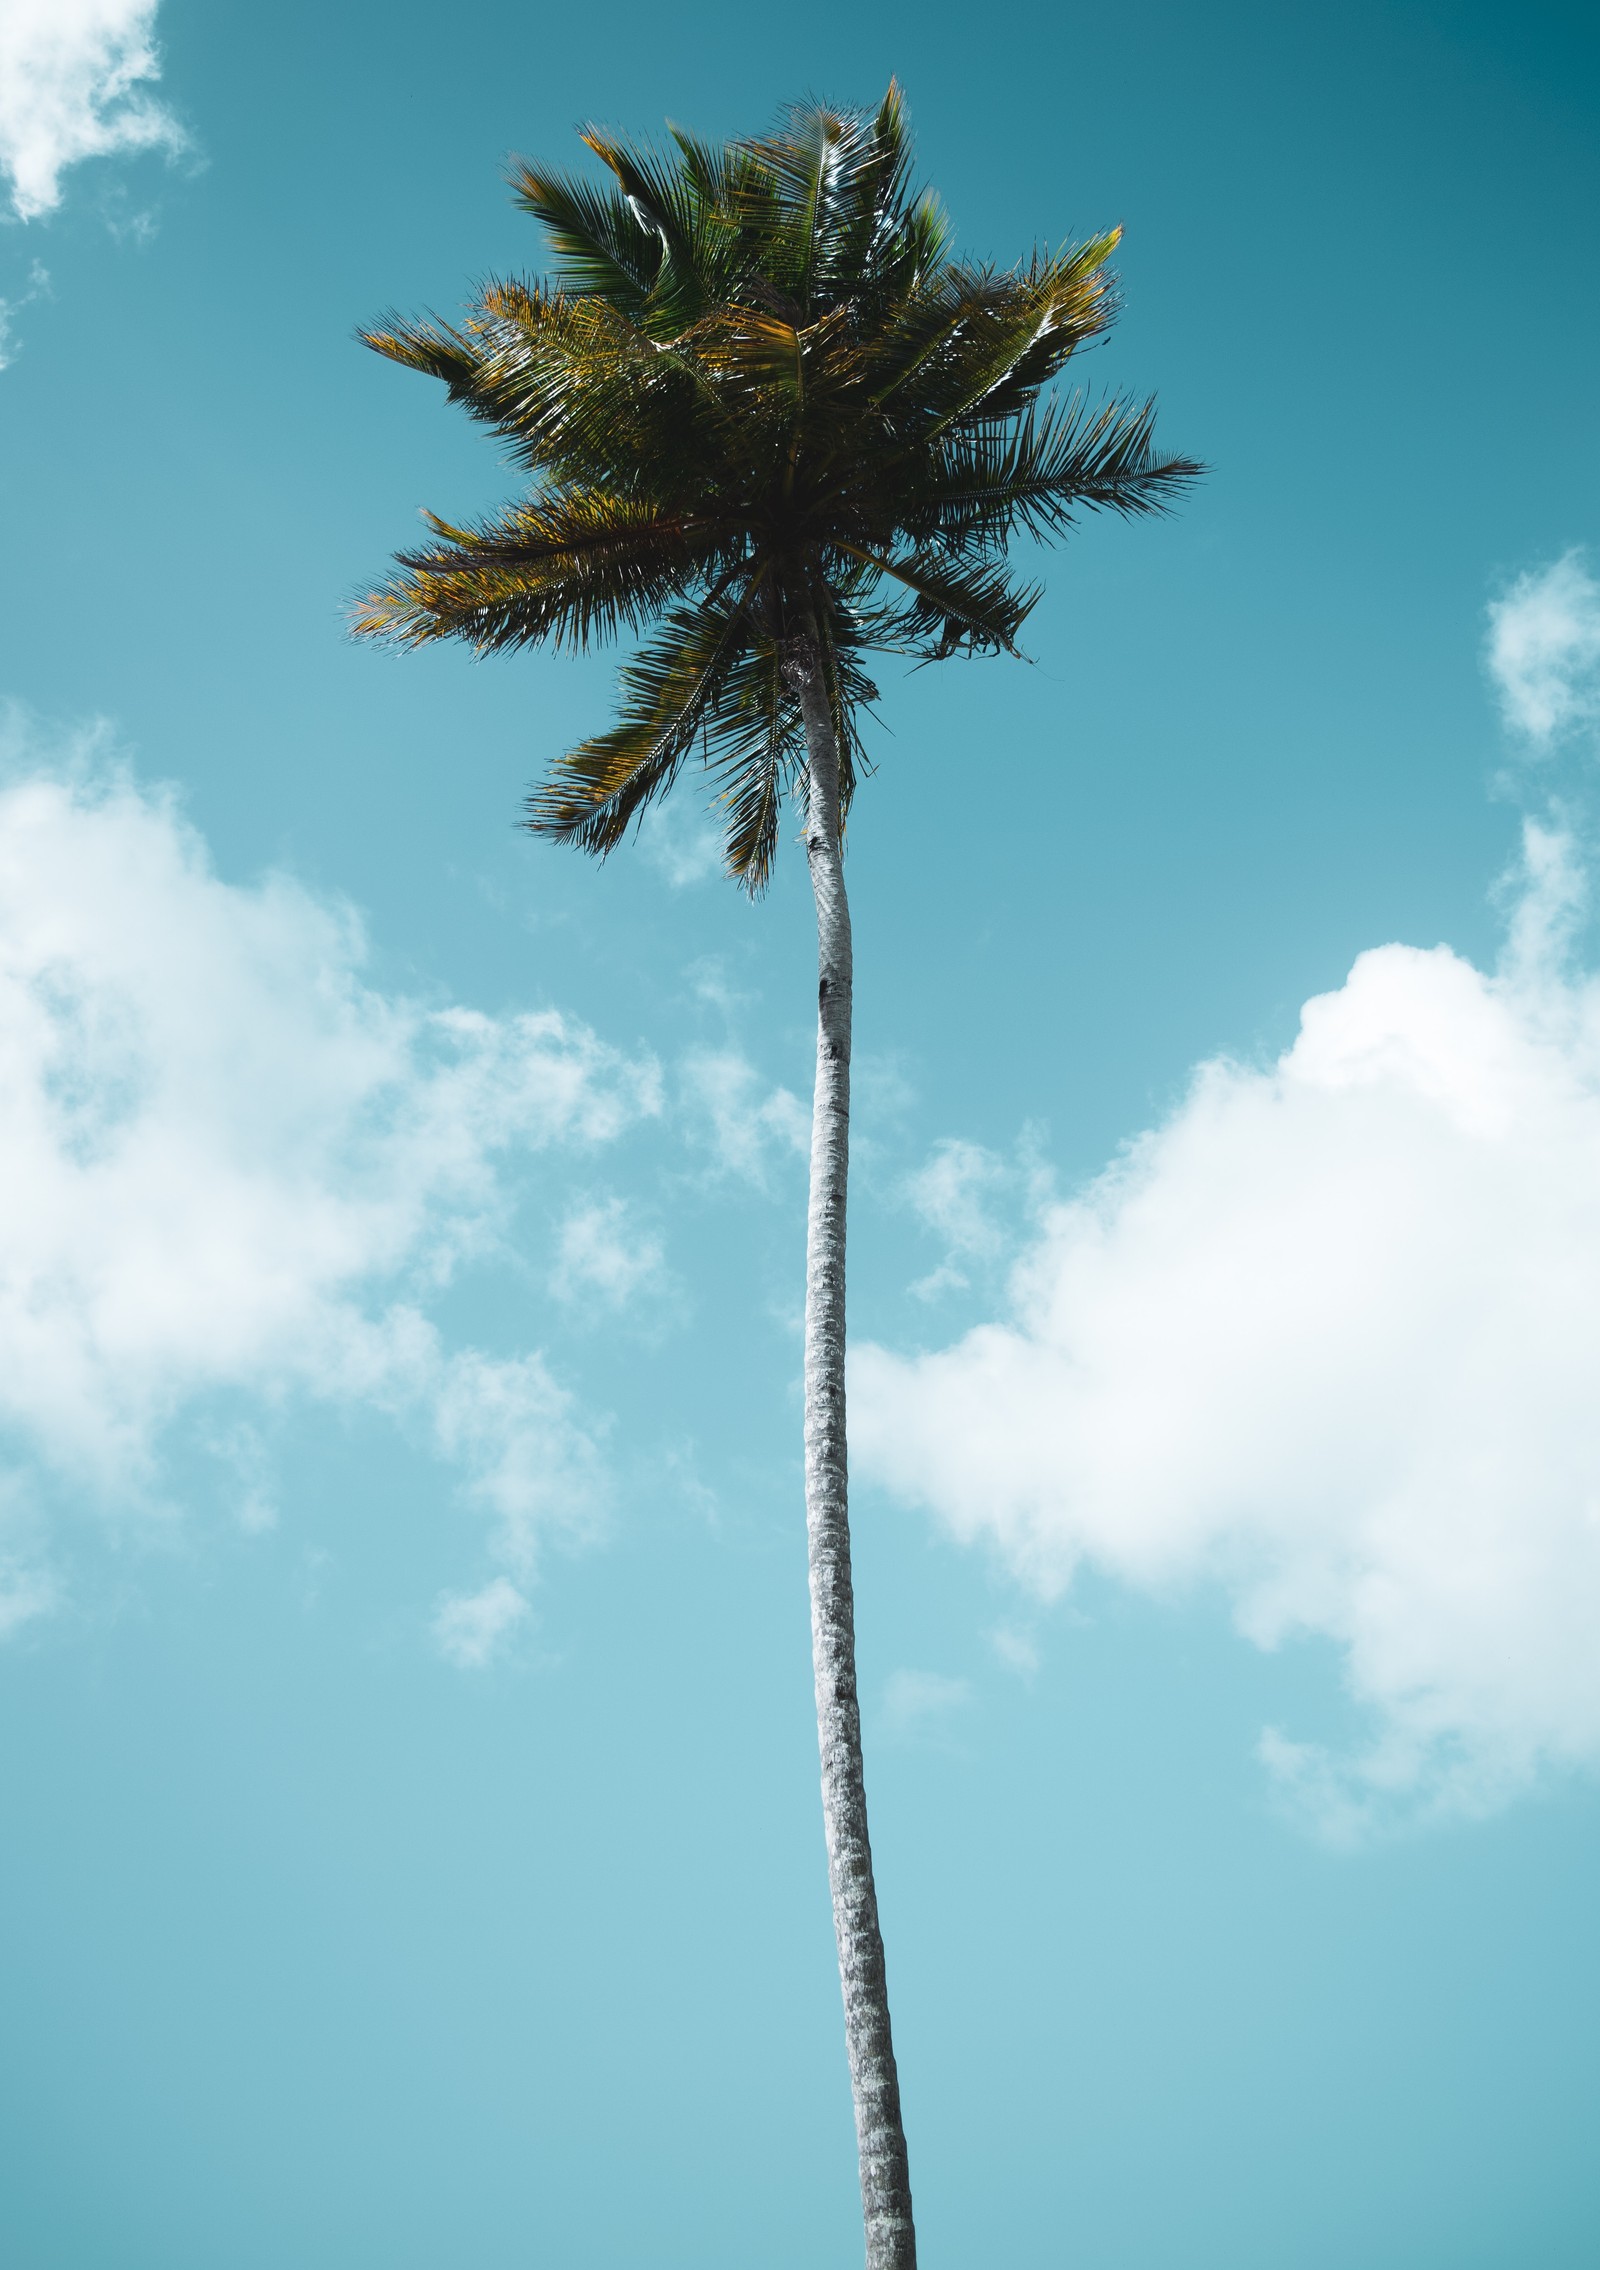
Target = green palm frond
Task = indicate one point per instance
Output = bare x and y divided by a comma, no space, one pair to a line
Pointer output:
758,751
602,247
760,393
955,603
564,570
434,348
995,340
577,390
1038,472
669,692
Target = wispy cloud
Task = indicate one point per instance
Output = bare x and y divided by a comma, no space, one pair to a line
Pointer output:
919,1705
529,1461
953,1193
75,80
1544,650
25,1593
1328,1337
471,1628
749,1127
1017,1650
38,288
681,844
536,1470
605,1257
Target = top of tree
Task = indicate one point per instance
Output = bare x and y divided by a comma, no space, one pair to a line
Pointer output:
770,420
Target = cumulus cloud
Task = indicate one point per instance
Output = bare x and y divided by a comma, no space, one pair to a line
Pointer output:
233,1164
1329,1338
1544,650
75,77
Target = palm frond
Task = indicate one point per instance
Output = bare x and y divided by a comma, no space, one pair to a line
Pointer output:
434,348
754,746
1039,471
581,393
667,692
565,569
1015,333
601,245
955,604
891,237
807,158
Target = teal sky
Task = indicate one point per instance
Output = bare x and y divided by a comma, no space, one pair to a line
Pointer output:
412,1850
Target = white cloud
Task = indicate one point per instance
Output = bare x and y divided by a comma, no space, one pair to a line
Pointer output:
602,1255
680,843
25,1593
1330,1338
38,287
232,1163
534,1468
241,1449
748,1128
74,81
952,1194
922,1703
1017,1650
470,1628
1544,650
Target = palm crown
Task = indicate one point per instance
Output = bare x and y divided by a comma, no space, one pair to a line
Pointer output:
766,411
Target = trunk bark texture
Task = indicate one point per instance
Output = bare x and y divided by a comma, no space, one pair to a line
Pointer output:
880,2136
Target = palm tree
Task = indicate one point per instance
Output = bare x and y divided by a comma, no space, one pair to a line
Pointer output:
772,421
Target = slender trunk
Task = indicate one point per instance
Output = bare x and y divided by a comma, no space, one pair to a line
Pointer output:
880,2137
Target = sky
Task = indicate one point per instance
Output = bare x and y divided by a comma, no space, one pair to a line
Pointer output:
412,1848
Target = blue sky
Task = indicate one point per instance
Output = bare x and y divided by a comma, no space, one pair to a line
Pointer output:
412,1850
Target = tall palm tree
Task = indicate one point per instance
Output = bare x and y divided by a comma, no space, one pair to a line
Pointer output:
772,421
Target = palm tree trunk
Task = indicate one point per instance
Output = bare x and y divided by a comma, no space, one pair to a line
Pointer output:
880,2136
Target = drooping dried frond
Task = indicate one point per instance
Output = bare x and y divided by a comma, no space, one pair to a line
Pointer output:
759,402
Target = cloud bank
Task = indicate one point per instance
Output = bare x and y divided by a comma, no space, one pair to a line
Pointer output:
1329,1338
236,1165
74,80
